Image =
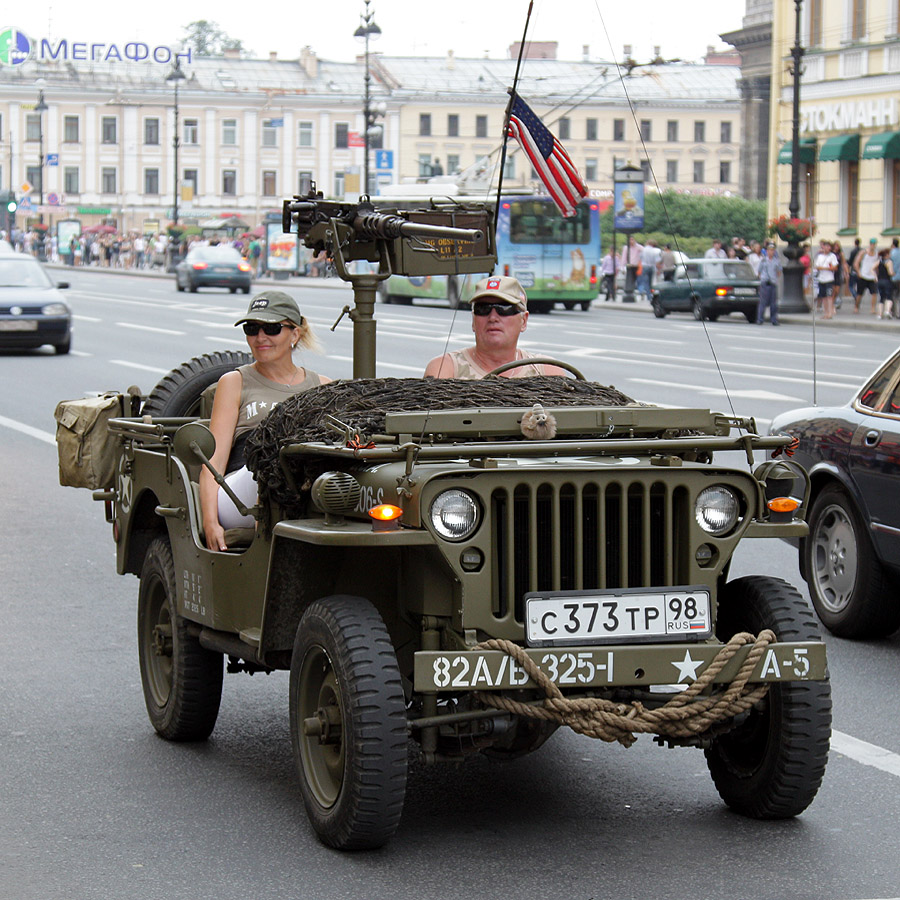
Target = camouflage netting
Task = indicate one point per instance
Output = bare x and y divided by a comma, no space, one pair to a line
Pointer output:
361,404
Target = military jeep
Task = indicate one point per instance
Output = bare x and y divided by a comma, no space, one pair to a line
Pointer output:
470,565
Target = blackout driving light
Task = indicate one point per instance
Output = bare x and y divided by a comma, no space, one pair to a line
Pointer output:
717,509
454,515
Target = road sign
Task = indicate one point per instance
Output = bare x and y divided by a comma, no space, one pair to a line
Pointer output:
26,187
384,159
51,159
26,205
355,139
53,199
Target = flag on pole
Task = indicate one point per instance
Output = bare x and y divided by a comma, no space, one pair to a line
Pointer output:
547,155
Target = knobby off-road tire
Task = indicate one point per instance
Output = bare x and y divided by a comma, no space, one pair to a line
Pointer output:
353,780
771,765
850,590
182,681
178,394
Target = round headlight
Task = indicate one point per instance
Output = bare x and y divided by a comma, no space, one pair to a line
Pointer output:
717,509
55,309
454,515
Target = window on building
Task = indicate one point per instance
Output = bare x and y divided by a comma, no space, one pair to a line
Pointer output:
814,8
304,134
646,130
850,191
269,183
590,169
151,132
33,176
33,127
672,131
645,168
564,128
71,130
725,132
699,177
151,181
452,163
108,180
672,171
108,130
341,142
618,129
190,180
424,165
699,132
724,172
304,182
425,124
71,180
590,130
191,131
857,20
481,126
229,132
338,184
229,182
269,133
452,125
509,167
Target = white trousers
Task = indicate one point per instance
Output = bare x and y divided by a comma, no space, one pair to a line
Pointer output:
242,482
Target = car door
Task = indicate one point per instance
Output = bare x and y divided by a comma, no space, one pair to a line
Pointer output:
678,293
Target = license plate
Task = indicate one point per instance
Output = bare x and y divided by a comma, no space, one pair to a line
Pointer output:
614,617
18,325
744,292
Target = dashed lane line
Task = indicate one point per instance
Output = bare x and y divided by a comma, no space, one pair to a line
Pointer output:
866,753
45,436
133,365
150,328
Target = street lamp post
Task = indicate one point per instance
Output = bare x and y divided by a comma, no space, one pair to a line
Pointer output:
176,75
792,299
40,108
367,30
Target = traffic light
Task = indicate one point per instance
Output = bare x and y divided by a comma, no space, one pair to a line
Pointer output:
11,203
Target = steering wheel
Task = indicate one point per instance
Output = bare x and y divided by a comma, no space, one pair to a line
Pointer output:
538,360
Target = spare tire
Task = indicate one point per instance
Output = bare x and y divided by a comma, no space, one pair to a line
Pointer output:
178,394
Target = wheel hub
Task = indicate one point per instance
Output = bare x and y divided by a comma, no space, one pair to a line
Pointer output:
835,558
162,640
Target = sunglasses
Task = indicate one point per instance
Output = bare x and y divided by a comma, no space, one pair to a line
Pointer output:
502,309
251,329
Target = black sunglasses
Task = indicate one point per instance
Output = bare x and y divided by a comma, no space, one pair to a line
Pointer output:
503,309
251,329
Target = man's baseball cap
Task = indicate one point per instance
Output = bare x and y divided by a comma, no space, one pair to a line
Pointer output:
272,306
873,240
501,289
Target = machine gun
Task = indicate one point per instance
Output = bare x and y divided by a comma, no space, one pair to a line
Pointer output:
444,239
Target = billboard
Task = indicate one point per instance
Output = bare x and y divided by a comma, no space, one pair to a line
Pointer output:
282,250
628,212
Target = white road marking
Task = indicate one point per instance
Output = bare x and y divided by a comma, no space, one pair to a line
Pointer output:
747,394
382,365
150,328
27,429
80,318
80,353
209,324
223,340
133,365
865,753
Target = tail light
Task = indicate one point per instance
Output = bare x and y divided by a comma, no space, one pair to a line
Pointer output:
593,274
723,291
243,267
506,269
199,265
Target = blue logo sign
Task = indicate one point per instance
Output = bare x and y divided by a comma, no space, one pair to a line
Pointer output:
384,159
51,159
15,47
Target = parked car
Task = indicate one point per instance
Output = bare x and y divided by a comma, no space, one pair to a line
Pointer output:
851,558
32,309
708,288
215,266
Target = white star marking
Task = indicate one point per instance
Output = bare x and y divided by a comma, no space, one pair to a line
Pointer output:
687,668
263,405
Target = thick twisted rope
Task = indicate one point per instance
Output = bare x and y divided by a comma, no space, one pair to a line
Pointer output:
685,715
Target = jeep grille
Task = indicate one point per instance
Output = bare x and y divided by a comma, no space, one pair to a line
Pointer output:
586,536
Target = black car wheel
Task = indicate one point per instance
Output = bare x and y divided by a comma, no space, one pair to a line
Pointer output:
63,347
193,286
658,311
178,285
771,765
246,290
848,585
697,309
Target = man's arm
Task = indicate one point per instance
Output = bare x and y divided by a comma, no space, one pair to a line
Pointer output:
440,367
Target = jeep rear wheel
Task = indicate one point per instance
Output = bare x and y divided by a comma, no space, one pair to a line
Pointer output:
348,723
182,681
771,765
178,393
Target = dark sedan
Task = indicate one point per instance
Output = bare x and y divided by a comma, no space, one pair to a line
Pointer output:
32,309
851,559
708,288
216,266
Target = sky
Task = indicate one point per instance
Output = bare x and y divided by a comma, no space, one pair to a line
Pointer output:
471,28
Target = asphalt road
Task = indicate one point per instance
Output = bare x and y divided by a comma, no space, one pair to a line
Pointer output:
94,805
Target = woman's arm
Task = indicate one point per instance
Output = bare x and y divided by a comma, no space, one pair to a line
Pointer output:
222,423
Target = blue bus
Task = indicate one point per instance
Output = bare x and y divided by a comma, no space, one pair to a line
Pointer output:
556,259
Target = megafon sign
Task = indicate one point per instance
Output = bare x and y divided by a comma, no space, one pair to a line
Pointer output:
17,48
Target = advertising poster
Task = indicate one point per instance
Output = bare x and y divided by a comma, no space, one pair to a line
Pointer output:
66,229
629,206
282,250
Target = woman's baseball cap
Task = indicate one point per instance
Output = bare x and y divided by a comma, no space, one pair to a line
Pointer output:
272,306
501,289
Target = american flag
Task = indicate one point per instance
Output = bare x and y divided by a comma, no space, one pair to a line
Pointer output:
547,156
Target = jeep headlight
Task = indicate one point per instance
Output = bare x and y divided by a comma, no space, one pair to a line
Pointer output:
717,509
454,515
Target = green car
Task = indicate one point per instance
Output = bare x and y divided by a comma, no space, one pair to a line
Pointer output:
708,288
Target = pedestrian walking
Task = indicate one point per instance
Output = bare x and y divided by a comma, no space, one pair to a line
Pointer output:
825,265
865,265
769,273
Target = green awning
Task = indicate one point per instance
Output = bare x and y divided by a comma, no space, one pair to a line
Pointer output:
841,146
807,151
883,146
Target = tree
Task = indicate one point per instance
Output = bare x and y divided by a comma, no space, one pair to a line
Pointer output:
205,38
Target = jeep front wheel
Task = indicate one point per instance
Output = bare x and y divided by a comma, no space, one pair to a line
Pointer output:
771,764
182,681
348,723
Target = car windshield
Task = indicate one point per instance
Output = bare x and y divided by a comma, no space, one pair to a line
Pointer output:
218,253
730,270
22,272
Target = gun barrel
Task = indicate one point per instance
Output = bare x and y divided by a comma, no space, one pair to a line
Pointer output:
387,225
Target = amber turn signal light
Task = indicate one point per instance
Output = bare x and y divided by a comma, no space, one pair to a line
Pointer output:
385,517
783,504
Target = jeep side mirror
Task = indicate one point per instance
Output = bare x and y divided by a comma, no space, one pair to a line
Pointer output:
194,443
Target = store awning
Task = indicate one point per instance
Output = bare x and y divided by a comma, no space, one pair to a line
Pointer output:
807,152
841,146
883,146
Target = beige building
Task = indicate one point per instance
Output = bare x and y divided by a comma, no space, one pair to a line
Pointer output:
849,178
